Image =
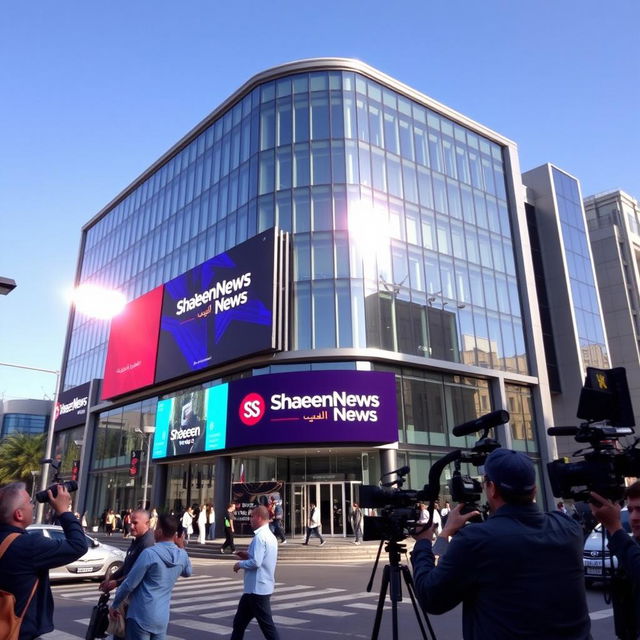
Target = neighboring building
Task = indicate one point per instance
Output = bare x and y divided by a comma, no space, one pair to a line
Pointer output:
614,230
405,229
570,311
24,416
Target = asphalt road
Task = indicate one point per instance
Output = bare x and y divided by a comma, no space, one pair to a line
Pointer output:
312,601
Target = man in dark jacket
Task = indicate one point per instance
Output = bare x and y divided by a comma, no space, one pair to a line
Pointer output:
518,575
30,556
142,538
625,585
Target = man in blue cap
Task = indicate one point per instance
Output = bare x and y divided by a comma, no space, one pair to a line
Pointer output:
519,574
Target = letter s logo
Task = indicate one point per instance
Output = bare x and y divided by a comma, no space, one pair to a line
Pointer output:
252,408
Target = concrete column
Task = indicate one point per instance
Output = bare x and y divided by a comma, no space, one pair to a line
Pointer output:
221,491
388,461
158,493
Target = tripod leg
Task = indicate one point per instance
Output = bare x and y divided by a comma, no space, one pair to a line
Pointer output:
408,579
381,598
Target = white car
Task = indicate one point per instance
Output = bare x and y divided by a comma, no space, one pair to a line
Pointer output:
100,561
593,554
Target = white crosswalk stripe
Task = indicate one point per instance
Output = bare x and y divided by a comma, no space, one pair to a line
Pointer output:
209,603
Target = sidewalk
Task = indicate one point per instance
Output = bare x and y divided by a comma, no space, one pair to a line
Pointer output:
335,549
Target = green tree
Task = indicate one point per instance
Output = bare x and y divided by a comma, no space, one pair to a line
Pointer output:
20,454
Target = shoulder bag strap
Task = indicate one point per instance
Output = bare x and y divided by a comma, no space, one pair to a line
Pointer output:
6,542
3,547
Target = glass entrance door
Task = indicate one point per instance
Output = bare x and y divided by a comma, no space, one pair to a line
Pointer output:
329,497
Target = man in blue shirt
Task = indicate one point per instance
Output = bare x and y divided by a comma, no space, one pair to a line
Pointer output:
150,582
519,574
259,564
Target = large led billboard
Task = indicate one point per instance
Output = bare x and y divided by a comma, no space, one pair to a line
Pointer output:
312,407
231,306
192,422
219,311
133,346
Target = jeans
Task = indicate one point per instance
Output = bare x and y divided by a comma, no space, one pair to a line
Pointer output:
277,530
211,533
135,632
251,606
313,531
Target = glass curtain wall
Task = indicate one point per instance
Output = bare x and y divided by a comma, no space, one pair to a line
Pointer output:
330,156
580,266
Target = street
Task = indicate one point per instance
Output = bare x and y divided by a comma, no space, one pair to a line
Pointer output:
312,600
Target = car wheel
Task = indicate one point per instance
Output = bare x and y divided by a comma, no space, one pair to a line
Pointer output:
111,569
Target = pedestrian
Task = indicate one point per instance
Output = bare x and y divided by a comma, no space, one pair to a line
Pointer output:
153,519
110,522
149,584
142,539
187,523
229,517
518,574
444,512
278,525
25,563
126,524
259,565
424,517
211,522
202,524
356,522
313,525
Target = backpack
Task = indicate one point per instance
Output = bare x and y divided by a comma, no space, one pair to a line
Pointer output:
10,623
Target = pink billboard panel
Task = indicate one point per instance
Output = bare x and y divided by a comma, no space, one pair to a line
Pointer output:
133,345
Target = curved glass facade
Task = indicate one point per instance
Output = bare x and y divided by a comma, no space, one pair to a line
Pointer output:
580,268
399,216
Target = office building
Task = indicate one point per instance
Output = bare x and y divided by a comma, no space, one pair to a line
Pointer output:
570,310
336,242
24,416
614,230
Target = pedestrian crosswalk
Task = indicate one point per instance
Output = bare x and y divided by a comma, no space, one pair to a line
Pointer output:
208,604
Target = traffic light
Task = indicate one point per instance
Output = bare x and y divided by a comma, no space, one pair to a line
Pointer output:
75,470
134,465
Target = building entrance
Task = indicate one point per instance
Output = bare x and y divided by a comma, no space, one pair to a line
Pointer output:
334,500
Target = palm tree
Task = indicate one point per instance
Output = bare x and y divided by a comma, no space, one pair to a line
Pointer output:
20,454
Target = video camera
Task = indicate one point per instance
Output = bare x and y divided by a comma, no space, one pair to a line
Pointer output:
605,404
70,485
399,510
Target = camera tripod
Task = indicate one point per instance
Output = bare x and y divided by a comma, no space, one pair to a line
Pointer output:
391,575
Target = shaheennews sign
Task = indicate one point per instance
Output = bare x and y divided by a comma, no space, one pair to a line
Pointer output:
72,406
228,307
313,407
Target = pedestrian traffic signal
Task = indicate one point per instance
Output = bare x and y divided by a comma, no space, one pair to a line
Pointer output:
75,470
134,465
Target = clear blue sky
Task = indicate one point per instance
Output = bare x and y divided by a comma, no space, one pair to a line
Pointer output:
92,93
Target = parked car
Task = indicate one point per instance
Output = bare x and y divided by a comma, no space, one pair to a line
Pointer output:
100,561
593,554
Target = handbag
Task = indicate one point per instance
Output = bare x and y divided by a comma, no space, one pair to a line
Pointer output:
117,625
10,623
99,620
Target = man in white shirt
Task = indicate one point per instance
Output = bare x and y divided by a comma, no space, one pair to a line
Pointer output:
259,564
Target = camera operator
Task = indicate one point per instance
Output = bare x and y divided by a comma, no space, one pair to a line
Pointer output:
625,584
28,558
519,574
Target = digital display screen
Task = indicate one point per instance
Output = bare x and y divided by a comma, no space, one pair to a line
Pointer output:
192,422
312,407
133,346
220,310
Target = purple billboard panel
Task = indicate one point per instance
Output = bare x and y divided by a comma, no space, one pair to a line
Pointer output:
312,407
220,310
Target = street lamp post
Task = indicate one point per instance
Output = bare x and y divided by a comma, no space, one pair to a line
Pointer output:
148,431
